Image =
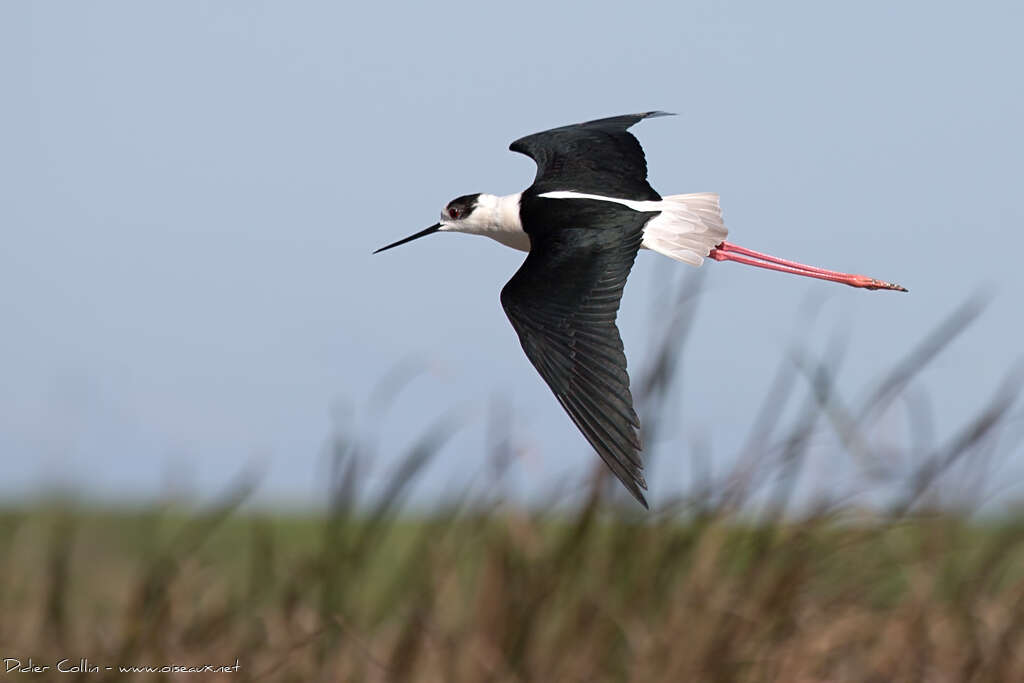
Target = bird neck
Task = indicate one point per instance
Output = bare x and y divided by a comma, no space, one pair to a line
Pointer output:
495,213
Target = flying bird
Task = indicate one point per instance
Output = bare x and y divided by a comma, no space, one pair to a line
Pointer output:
588,212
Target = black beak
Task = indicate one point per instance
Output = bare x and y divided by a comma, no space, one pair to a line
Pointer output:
422,233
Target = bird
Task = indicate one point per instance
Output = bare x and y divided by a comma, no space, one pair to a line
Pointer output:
588,212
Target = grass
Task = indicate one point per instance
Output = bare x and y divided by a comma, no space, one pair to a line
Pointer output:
509,596
729,582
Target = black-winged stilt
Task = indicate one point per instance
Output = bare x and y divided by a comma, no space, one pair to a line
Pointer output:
587,213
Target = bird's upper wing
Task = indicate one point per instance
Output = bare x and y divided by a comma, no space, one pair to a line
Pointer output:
596,157
562,303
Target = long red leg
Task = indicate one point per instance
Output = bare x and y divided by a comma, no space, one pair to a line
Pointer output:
726,251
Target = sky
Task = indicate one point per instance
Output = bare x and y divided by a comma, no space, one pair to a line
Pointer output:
191,192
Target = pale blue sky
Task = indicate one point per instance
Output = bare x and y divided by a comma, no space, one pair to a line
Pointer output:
191,192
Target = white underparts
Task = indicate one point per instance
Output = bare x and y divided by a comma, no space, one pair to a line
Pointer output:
687,229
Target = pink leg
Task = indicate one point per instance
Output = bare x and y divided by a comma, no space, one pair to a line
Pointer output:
727,251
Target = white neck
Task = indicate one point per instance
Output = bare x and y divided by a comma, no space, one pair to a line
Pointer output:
492,214
496,217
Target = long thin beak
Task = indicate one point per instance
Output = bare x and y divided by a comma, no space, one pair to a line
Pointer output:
422,233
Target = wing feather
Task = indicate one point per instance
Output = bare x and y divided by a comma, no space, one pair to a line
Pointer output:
563,303
599,157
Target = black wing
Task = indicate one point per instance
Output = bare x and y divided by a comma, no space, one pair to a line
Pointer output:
562,303
596,157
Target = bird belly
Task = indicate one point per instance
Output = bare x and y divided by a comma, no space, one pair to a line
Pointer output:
517,240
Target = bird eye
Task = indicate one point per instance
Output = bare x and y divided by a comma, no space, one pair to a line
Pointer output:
454,212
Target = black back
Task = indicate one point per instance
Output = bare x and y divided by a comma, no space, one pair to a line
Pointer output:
563,303
597,157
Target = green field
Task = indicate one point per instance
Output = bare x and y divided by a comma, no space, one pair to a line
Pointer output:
507,596
741,578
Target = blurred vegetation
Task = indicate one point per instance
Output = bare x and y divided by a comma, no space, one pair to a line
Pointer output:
730,581
516,596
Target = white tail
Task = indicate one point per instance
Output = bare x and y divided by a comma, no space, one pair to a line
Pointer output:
689,227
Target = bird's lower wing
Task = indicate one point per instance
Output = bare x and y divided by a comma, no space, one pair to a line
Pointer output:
563,303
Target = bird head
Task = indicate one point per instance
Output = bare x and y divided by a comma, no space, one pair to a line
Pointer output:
461,211
460,214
